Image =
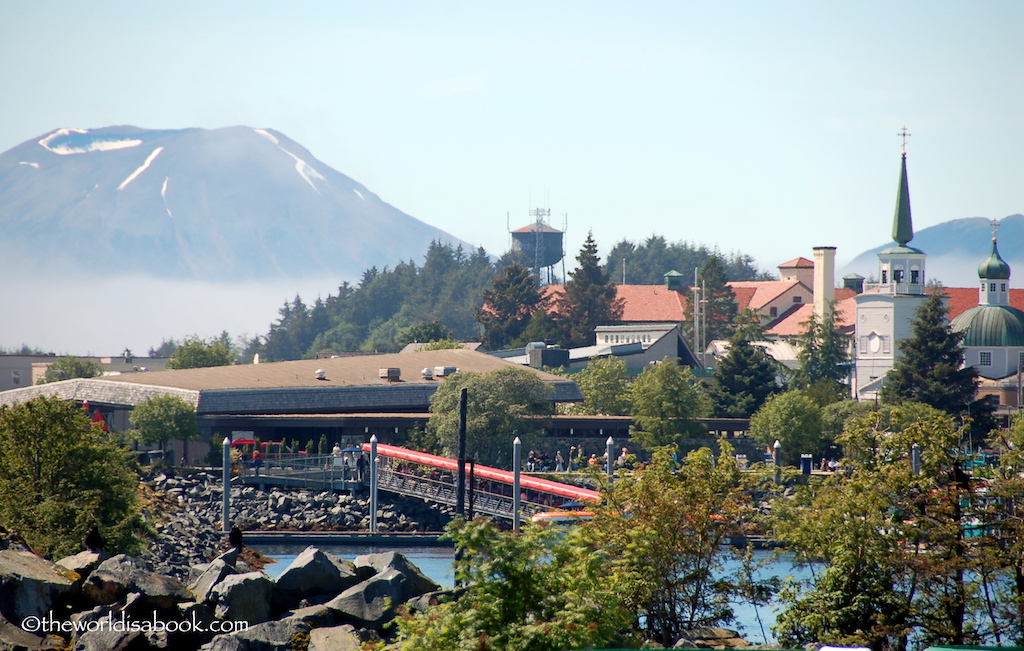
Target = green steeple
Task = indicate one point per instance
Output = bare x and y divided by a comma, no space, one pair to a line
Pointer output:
994,267
902,226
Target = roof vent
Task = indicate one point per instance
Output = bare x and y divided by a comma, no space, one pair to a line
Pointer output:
444,371
390,374
427,373
321,374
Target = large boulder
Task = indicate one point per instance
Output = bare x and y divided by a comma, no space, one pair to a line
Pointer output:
83,562
202,587
30,586
285,635
243,597
417,582
12,637
366,605
122,574
314,576
339,638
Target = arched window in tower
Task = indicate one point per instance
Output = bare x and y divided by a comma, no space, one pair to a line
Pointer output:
915,277
897,275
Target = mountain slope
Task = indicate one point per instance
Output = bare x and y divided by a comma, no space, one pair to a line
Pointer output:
231,204
955,249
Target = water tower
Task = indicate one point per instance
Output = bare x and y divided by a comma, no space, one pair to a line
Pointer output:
541,243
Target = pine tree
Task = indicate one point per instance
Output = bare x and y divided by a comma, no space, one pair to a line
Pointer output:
509,305
745,377
823,355
929,369
588,300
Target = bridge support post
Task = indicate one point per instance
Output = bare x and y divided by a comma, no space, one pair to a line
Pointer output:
777,460
517,463
373,483
225,508
609,450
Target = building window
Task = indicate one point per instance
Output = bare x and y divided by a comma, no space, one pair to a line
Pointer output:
897,275
1002,287
798,299
774,311
885,276
915,277
1020,360
985,358
991,287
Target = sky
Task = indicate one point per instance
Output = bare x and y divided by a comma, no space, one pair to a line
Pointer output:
765,128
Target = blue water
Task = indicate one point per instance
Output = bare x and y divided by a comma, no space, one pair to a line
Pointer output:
436,563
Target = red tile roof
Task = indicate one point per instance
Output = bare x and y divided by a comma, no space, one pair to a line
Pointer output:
797,262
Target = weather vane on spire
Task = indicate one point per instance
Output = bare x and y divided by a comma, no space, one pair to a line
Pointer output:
904,133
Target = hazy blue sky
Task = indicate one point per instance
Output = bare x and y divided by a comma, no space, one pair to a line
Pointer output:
761,127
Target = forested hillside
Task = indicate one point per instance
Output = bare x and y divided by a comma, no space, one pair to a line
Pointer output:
646,263
438,300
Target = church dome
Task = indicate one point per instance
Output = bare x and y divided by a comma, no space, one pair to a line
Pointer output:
991,326
994,267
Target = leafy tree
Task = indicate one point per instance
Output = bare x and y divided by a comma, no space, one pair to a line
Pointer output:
899,565
743,379
426,332
824,355
165,349
928,368
60,475
588,299
500,405
669,554
792,419
718,302
666,405
508,306
539,590
195,352
162,419
443,344
604,388
1004,555
67,368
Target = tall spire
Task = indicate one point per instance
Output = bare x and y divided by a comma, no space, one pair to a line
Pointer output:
902,225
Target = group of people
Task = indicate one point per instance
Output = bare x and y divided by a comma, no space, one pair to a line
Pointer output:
537,461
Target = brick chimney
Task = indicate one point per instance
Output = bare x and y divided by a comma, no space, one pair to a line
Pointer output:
824,278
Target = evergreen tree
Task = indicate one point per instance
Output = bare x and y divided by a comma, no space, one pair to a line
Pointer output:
542,327
745,377
718,302
824,355
929,369
588,300
647,263
509,305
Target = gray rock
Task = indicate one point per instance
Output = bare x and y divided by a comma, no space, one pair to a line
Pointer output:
313,573
243,597
12,637
105,639
269,636
417,583
315,616
365,605
83,562
121,574
202,587
30,585
337,638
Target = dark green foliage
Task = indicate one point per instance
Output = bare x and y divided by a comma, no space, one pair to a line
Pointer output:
67,368
500,405
718,302
648,262
195,352
604,388
379,312
667,402
162,419
794,420
509,305
824,356
928,368
60,475
743,380
423,333
588,299
542,327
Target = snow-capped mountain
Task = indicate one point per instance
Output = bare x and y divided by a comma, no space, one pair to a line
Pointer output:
231,204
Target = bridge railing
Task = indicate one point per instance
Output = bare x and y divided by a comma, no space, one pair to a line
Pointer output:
323,469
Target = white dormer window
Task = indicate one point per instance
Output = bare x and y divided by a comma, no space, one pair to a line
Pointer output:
798,299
